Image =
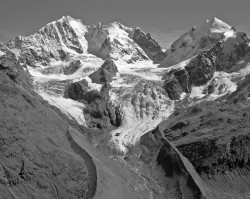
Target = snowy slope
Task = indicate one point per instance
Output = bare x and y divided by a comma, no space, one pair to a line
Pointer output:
55,41
112,40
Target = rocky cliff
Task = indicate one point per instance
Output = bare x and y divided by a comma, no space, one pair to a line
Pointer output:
154,51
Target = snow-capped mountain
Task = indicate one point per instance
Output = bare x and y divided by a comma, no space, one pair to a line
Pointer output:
197,40
55,41
212,72
112,40
68,37
72,61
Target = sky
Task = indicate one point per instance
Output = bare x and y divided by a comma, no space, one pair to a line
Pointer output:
166,20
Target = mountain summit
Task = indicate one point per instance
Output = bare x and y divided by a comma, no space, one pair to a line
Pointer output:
196,40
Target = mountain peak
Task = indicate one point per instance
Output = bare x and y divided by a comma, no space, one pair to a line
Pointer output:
68,18
198,39
215,23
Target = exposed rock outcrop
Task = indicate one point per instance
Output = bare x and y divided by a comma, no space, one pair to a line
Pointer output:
176,82
76,90
100,112
173,88
105,73
72,67
10,66
154,51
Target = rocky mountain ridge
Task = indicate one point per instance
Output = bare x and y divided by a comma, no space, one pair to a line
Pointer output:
67,37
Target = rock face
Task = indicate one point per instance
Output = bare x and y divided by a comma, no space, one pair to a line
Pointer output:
76,90
149,45
99,112
105,73
173,88
72,67
176,82
202,68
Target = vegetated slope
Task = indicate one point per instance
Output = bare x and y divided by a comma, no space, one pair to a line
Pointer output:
214,137
37,160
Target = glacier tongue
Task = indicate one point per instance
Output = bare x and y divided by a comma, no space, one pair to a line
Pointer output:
144,103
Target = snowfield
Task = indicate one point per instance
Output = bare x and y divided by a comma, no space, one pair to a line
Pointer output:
71,108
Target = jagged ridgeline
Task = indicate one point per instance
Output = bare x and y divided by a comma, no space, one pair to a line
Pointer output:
104,111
